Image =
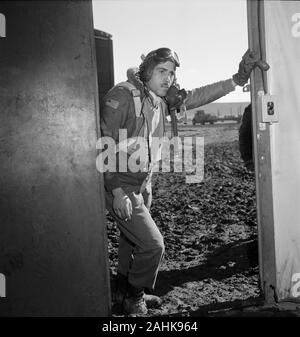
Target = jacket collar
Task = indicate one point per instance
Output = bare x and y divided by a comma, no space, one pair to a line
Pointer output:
155,100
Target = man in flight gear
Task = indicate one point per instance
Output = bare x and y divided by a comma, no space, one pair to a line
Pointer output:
139,106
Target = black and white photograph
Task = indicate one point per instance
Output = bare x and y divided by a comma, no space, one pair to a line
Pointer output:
150,161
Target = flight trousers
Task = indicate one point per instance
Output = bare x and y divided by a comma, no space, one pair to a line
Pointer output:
141,245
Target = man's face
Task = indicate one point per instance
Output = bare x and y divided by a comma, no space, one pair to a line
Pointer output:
162,78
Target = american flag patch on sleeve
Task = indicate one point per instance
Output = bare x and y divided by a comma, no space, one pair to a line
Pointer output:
112,103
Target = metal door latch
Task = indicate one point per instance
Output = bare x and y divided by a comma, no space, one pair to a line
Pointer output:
269,108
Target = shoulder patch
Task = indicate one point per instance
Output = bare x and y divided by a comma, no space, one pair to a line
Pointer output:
112,103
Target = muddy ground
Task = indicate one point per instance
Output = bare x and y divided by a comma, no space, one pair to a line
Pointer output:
210,267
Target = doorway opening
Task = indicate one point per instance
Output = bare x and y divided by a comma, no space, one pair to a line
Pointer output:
209,228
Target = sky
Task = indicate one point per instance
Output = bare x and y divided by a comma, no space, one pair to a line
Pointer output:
209,36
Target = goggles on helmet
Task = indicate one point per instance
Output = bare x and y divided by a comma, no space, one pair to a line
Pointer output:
164,54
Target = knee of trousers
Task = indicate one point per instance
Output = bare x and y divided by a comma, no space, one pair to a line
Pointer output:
156,247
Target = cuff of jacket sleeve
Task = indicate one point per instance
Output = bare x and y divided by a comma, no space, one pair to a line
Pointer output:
229,85
111,181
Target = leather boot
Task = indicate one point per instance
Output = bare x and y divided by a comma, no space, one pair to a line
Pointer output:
152,301
134,303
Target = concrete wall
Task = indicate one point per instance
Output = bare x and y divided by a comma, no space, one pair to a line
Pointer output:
53,249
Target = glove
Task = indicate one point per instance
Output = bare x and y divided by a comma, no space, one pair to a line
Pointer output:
249,61
175,97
